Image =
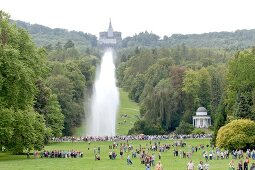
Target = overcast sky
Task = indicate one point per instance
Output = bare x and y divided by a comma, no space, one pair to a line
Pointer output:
162,17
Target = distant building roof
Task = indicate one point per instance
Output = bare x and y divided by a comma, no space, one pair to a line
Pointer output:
201,109
110,25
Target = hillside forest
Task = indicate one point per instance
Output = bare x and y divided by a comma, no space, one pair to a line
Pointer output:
47,74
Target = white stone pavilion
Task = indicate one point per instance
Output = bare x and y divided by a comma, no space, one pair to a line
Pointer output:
201,120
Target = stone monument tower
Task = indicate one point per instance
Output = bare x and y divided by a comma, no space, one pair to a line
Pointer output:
109,38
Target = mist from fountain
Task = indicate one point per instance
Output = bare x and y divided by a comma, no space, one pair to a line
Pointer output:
105,100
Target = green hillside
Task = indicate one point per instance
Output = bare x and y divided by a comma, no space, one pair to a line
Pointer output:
128,113
237,40
45,36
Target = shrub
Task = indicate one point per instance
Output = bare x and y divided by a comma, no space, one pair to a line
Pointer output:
198,131
238,133
184,128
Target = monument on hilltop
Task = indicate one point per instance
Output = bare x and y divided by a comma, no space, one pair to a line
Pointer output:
110,38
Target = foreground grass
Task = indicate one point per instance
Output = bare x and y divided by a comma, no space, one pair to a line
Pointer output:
14,162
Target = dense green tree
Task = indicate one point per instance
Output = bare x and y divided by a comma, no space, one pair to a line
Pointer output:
236,134
243,106
48,47
160,105
54,117
205,88
220,118
184,128
191,84
43,36
145,127
237,40
217,75
69,84
87,67
240,86
21,65
191,89
63,87
137,64
21,129
6,126
48,106
197,88
29,131
137,87
58,47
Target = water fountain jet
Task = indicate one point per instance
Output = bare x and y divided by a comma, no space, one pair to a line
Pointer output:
105,99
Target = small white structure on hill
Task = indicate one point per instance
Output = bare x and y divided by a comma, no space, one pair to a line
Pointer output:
201,120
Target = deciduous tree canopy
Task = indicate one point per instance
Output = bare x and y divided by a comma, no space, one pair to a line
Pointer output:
236,134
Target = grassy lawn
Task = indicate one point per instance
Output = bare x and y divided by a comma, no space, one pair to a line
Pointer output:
127,115
14,162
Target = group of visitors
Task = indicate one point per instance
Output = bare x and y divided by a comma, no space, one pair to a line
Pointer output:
240,165
201,165
112,155
128,137
58,154
153,149
147,159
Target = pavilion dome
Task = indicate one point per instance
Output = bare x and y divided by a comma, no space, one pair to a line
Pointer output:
201,109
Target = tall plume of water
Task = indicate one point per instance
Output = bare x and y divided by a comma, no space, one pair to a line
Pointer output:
105,100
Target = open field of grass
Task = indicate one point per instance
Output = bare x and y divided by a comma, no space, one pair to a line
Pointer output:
127,115
14,162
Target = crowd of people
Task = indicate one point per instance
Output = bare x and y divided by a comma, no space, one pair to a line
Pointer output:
242,158
201,165
58,154
150,154
128,137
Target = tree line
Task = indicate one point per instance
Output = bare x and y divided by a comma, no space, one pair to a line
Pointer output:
45,36
231,41
171,83
42,90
